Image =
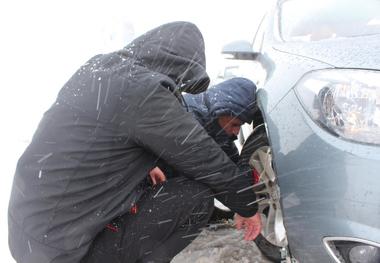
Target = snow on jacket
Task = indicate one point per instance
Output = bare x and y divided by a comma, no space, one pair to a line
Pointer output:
89,158
234,97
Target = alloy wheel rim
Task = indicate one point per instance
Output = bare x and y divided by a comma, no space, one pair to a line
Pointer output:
269,191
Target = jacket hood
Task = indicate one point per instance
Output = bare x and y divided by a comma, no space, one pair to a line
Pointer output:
235,97
176,50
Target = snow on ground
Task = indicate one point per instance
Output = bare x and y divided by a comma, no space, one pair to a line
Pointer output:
220,246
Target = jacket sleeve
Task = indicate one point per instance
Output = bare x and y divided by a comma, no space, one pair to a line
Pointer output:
231,151
163,127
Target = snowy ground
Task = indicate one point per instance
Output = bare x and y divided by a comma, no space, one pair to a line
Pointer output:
220,246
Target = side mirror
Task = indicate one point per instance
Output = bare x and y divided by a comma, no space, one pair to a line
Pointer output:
241,50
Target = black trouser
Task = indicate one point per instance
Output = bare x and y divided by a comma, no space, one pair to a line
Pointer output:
169,217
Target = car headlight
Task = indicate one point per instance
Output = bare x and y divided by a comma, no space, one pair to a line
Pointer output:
352,250
346,102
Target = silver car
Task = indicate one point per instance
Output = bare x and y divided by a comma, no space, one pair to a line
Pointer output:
315,143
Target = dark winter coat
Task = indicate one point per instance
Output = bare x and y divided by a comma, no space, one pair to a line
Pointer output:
234,97
89,158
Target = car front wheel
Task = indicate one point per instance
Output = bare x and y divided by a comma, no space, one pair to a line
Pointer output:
257,153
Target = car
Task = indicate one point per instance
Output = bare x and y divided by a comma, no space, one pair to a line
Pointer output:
315,141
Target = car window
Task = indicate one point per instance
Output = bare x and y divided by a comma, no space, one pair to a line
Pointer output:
302,20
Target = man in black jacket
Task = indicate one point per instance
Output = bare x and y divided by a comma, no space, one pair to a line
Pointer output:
88,161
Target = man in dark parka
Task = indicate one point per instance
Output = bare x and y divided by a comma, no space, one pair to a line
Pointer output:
89,158
222,109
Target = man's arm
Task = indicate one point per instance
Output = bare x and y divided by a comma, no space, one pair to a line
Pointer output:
166,129
231,150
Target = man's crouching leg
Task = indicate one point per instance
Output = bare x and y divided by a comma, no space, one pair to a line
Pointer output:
169,217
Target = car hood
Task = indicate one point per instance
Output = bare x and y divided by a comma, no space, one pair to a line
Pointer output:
354,52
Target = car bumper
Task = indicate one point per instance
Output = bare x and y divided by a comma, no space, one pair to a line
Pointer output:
330,187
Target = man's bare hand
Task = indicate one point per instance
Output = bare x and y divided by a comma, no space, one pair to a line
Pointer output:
252,225
157,176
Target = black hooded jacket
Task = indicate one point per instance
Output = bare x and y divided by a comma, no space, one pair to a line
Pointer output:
92,151
235,97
